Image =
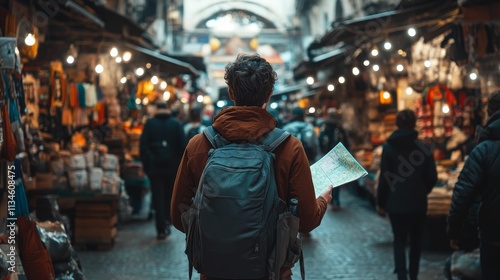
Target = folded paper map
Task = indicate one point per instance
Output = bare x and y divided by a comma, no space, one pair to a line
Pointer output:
335,168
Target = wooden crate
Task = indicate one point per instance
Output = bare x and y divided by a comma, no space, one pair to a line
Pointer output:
95,222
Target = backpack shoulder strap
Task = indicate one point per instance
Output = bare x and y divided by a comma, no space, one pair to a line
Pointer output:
214,137
274,139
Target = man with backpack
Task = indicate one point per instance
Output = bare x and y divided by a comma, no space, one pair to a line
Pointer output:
236,177
161,146
304,131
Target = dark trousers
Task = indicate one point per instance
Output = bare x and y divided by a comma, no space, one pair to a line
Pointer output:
404,226
161,187
490,265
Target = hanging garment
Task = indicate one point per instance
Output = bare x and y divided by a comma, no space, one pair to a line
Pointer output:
90,95
57,84
9,147
21,100
73,95
14,116
81,95
34,256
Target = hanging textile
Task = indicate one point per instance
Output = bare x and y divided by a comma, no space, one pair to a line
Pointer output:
18,85
9,147
20,198
34,256
81,95
14,116
57,84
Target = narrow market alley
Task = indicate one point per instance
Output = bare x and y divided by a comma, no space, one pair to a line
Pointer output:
354,243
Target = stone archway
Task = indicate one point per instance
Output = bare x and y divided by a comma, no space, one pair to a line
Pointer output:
273,12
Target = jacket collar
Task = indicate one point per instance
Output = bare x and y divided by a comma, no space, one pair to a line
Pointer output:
243,123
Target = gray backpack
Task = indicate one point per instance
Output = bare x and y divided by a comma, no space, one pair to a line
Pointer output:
237,227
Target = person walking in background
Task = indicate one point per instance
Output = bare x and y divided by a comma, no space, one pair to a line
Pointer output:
303,131
194,126
161,146
407,176
480,176
331,134
250,79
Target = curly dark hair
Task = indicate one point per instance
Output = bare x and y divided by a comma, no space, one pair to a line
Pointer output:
251,79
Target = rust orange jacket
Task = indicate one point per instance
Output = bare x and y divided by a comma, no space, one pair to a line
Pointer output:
292,172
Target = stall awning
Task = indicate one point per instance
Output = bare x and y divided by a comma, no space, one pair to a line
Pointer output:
166,65
359,31
288,90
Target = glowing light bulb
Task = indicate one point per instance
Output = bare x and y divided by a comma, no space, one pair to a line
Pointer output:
166,95
123,80
366,62
113,52
199,98
409,90
374,52
127,56
427,63
139,71
375,67
473,76
341,79
99,68
355,71
70,59
386,95
387,45
30,40
310,80
154,80
331,87
312,110
412,32
163,85
400,67
446,108
274,105
118,60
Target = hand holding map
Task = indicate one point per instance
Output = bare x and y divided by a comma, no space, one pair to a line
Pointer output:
335,168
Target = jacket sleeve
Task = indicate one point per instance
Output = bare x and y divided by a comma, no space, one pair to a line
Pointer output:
465,192
144,150
310,209
431,173
183,192
383,188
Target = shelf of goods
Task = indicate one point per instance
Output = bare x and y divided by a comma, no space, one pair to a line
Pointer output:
439,200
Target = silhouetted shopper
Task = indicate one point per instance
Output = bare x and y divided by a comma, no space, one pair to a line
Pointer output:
481,176
407,175
161,147
331,134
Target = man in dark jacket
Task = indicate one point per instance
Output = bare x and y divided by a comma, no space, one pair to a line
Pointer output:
407,175
481,176
161,146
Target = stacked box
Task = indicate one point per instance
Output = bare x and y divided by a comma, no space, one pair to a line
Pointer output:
95,221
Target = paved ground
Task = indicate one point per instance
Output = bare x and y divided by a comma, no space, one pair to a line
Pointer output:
354,243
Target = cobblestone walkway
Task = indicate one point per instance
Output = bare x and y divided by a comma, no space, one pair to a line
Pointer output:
354,243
